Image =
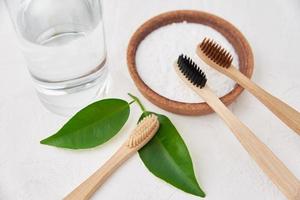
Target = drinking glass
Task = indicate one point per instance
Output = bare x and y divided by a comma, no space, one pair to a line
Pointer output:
64,47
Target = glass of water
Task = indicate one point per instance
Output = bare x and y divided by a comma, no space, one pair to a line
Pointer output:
63,44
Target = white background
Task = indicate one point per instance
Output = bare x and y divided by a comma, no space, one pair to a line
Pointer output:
32,171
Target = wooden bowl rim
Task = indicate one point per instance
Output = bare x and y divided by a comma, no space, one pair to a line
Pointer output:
232,34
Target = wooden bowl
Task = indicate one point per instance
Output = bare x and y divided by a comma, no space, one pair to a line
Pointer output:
232,34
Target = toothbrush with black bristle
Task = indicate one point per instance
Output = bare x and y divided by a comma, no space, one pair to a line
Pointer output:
220,59
279,174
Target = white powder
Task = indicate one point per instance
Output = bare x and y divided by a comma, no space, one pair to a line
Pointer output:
158,52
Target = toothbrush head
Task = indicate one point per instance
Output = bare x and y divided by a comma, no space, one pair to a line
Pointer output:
144,131
191,71
209,51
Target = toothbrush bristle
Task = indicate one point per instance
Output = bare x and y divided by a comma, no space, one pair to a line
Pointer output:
145,128
191,71
216,53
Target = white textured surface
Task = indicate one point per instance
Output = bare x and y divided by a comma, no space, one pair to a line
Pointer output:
32,171
160,50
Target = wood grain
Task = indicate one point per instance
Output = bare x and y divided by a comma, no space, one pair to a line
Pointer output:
283,111
278,173
141,135
86,189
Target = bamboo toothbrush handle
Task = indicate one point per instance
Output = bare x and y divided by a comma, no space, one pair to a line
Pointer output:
85,190
264,157
287,114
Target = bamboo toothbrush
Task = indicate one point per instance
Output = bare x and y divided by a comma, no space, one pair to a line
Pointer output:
218,58
140,136
192,75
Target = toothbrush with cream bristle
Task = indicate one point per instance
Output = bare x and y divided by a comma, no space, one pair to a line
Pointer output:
279,174
140,136
218,58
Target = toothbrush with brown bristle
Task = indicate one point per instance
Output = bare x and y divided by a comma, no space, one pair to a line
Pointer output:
280,175
218,58
140,136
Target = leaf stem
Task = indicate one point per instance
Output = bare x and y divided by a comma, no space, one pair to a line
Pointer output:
131,102
137,101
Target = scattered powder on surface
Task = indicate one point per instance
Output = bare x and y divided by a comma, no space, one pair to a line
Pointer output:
159,50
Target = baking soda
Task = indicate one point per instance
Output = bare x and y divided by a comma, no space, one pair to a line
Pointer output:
160,50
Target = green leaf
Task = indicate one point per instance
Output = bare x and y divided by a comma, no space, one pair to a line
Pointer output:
92,126
167,157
